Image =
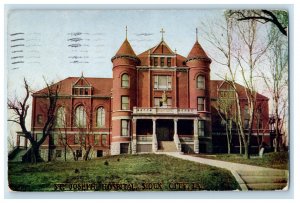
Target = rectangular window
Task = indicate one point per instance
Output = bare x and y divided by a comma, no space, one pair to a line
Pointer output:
246,123
55,139
125,127
39,136
104,139
96,139
200,104
162,61
125,103
39,119
201,82
201,128
124,148
169,62
58,153
81,91
159,103
155,61
162,82
78,153
99,153
86,91
76,139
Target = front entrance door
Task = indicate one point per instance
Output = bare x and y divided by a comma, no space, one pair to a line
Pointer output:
164,130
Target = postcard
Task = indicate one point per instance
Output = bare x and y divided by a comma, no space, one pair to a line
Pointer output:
147,100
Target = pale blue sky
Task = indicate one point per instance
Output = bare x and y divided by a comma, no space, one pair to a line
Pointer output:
47,33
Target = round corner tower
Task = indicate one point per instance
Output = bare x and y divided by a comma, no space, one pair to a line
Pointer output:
123,97
199,93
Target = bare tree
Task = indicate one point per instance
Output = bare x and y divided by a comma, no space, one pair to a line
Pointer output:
241,53
278,18
276,80
61,128
86,131
226,109
20,108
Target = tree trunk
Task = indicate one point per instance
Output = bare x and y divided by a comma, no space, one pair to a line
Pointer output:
35,154
86,155
228,138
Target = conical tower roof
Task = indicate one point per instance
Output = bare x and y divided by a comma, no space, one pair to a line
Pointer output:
125,51
198,53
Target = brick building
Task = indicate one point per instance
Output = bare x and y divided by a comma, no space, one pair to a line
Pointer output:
158,100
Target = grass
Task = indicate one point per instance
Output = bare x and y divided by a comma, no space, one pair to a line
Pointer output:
136,172
278,160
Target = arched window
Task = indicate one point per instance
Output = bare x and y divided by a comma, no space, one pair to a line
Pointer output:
61,117
80,117
201,82
125,80
100,117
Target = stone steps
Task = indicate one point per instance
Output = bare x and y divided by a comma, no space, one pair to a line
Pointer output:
266,186
166,146
266,179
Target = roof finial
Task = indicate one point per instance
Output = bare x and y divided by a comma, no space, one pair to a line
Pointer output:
175,51
162,34
126,31
196,34
82,74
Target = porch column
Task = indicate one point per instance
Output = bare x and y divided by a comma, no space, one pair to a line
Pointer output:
154,138
133,141
196,137
176,138
175,127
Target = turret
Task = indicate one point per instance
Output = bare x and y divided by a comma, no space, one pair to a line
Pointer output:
199,74
199,95
123,96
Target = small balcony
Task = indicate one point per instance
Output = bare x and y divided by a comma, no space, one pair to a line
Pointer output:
161,111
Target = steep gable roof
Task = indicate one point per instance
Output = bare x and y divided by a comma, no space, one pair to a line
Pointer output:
101,86
215,84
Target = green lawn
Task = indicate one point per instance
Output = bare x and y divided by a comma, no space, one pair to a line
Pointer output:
128,172
279,160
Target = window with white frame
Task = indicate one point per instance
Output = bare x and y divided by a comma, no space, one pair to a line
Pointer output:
125,103
125,127
80,117
100,117
162,82
125,80
200,104
159,103
201,128
60,117
201,82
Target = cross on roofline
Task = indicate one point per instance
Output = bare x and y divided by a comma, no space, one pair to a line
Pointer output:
162,34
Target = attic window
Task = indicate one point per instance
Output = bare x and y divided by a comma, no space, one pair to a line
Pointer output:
168,61
155,61
81,91
162,61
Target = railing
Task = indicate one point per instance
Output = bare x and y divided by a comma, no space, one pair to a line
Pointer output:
186,138
177,142
144,138
156,110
